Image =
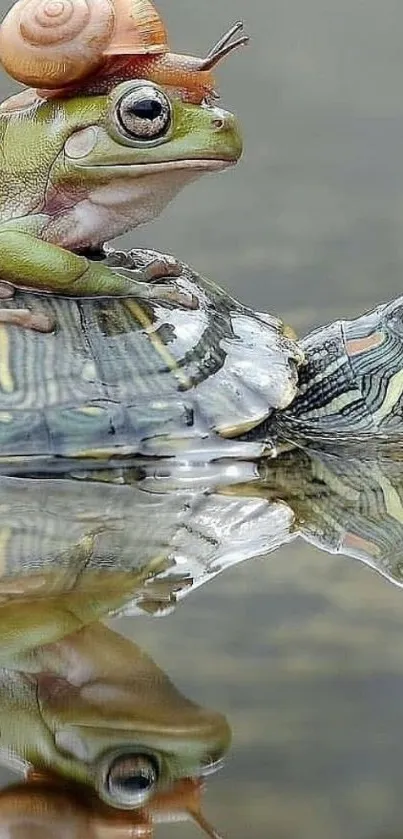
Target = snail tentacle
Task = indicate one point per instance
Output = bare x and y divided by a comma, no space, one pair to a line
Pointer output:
224,46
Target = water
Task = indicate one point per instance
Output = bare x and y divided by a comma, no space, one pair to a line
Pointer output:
300,650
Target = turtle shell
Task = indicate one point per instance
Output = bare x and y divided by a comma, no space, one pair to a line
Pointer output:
121,377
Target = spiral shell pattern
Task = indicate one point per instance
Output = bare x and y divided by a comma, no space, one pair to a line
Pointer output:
52,43
53,21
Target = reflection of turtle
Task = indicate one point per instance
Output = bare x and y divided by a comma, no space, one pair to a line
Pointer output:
136,542
124,540
345,505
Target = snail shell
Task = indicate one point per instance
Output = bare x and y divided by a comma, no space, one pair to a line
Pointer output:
53,43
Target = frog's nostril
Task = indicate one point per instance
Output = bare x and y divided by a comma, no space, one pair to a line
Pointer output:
218,122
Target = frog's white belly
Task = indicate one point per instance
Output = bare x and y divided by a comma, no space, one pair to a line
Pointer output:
111,210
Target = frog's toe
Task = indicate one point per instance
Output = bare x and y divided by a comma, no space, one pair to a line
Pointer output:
170,295
164,293
146,265
161,267
153,264
7,291
37,321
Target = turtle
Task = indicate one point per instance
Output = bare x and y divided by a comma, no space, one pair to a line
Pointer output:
188,375
196,375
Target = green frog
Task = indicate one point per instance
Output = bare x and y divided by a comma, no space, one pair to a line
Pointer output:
80,171
83,165
91,707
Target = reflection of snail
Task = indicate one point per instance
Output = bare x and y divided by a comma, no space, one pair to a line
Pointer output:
45,807
53,44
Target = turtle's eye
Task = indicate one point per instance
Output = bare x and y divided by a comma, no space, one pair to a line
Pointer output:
144,112
130,780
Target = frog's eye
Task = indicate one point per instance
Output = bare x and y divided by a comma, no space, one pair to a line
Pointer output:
129,780
144,113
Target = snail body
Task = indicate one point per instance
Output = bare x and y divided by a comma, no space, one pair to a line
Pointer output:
57,45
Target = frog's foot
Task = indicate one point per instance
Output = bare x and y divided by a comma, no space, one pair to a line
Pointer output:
148,266
167,267
37,321
146,269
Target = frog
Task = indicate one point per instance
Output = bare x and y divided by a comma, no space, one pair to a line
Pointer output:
83,169
81,703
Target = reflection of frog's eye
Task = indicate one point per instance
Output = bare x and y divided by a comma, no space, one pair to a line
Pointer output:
130,780
144,113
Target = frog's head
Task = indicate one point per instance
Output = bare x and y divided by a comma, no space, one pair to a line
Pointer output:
98,166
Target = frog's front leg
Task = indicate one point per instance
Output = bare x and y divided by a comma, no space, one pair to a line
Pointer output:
31,263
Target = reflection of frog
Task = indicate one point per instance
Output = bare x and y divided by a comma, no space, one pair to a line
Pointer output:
92,707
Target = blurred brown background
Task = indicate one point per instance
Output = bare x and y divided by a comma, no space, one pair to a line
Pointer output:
302,651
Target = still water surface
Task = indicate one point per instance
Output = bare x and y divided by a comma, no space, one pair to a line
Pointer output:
300,650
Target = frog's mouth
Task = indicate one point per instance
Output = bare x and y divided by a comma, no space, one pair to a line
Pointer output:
144,169
119,196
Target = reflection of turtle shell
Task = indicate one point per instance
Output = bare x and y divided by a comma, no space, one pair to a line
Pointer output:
146,541
138,541
119,377
351,388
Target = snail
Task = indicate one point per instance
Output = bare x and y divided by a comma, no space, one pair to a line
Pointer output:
56,45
